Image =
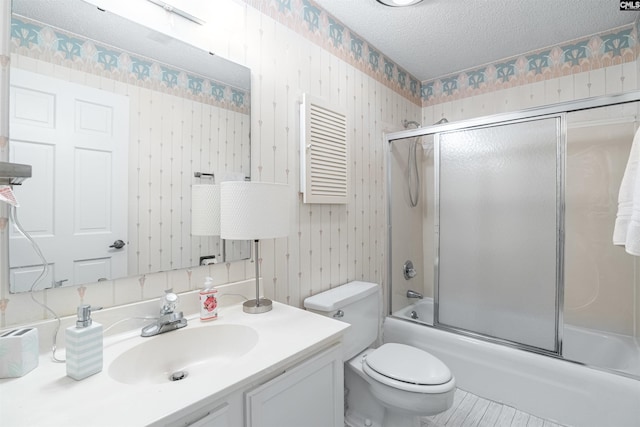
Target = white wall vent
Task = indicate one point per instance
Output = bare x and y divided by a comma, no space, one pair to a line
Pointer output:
324,174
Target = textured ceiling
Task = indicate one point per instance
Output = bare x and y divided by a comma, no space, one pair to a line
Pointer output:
439,37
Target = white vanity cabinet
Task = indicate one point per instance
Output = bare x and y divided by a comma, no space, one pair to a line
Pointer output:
310,394
291,377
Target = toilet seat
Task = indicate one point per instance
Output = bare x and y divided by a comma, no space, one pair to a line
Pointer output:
408,368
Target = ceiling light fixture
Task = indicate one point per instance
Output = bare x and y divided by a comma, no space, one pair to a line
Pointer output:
399,3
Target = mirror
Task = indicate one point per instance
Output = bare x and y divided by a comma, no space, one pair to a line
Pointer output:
115,119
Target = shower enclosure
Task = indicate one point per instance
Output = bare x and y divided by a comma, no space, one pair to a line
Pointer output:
511,240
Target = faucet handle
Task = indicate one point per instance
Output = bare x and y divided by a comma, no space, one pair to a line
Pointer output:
408,270
169,302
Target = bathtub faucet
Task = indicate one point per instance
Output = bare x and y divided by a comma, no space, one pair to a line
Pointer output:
414,294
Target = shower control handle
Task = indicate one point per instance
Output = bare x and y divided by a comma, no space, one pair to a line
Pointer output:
408,271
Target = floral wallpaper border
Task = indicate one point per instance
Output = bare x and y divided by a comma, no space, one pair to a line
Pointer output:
310,21
33,39
306,18
599,51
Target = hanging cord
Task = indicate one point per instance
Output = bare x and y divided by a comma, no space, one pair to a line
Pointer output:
45,268
413,176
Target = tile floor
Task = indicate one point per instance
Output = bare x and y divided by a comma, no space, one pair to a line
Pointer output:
471,410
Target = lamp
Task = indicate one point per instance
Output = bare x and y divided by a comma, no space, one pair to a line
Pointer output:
254,211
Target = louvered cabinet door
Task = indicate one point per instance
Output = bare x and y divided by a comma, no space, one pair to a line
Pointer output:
325,155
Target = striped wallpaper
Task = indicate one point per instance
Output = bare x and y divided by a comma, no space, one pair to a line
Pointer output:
327,245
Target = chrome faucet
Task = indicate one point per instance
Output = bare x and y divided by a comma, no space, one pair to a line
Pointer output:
414,294
169,319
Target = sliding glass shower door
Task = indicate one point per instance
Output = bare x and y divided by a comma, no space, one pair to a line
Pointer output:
499,231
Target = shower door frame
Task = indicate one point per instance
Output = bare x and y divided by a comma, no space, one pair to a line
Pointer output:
559,109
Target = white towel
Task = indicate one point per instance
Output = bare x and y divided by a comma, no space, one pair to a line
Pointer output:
626,231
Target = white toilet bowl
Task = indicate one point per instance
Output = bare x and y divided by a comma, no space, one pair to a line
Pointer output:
391,386
406,381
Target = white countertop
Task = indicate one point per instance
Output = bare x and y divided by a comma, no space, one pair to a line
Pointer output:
47,397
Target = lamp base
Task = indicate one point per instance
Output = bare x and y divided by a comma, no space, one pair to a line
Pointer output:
251,306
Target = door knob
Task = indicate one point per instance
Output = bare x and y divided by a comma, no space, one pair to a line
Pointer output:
118,244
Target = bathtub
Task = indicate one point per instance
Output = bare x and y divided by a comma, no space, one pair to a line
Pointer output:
568,393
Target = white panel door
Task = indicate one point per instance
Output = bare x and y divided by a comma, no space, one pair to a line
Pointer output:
75,206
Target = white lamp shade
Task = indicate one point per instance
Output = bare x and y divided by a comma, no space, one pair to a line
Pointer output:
253,210
205,210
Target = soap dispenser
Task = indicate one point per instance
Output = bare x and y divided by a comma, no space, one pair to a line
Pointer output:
84,346
208,301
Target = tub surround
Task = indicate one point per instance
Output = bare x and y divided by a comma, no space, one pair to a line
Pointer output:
600,350
286,336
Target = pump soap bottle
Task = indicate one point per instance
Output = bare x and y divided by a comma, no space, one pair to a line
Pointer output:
84,346
208,301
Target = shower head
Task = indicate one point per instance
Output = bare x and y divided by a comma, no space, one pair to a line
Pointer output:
406,123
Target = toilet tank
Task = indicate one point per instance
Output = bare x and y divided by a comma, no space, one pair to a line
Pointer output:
357,303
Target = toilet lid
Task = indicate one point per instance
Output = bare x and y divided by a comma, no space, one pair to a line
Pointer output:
408,364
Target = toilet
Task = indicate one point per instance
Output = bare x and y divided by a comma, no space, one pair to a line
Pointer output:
389,386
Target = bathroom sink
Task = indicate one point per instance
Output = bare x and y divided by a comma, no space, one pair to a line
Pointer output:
183,354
